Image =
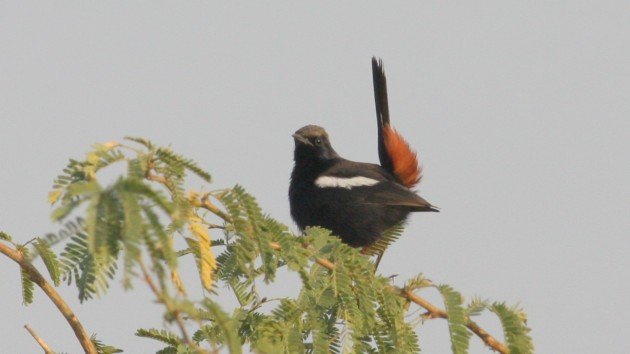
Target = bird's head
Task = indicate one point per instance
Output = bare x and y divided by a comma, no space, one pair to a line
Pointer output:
311,143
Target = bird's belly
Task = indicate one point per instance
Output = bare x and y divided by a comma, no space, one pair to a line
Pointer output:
341,211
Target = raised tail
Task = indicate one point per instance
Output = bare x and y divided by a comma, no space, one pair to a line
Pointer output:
394,152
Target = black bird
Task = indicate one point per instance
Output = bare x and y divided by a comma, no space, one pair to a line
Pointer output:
356,201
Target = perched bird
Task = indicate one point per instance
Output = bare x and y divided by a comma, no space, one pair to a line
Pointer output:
356,201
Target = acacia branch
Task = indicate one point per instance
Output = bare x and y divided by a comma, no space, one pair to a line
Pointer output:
39,340
435,312
53,295
147,278
169,307
205,203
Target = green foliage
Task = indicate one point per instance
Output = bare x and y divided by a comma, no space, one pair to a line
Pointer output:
221,323
515,328
104,348
176,161
4,236
50,260
132,223
161,335
27,288
389,236
476,306
90,272
69,228
456,319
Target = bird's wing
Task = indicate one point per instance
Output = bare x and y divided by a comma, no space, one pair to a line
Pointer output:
391,193
372,184
346,169
394,152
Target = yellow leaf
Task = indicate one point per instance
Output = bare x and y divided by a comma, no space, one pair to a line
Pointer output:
110,145
177,281
54,196
93,157
207,263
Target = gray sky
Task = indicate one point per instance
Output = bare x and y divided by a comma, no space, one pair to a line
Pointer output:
519,110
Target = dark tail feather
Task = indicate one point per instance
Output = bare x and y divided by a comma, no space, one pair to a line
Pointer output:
393,150
382,111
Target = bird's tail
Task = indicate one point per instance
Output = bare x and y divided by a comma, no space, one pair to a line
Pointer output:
393,150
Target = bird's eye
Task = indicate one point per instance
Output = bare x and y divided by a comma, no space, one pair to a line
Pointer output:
318,141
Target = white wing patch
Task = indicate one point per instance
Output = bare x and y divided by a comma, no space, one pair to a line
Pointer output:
341,182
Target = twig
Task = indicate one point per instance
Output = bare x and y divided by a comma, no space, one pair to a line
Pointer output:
434,312
160,298
53,295
169,306
321,261
39,340
207,204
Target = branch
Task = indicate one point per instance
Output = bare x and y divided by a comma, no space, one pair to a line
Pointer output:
39,340
54,296
205,203
160,297
435,312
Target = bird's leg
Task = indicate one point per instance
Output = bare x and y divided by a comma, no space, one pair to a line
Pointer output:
378,260
367,250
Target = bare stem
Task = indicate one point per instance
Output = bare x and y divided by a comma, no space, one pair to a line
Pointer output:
39,340
158,294
207,204
53,295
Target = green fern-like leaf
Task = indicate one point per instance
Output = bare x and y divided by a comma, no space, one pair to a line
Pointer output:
515,328
28,288
244,210
158,238
69,228
66,208
417,282
90,273
104,222
142,189
226,324
243,292
131,235
174,160
394,331
388,237
456,319
168,350
50,260
476,306
4,236
163,336
102,348
146,143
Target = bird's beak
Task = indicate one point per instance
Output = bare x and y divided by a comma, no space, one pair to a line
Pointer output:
301,139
